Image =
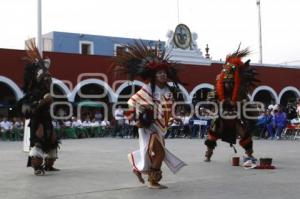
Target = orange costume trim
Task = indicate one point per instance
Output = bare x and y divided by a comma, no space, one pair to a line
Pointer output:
220,86
244,142
212,136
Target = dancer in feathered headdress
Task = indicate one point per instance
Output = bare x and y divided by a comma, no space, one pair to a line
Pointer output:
233,84
153,104
36,106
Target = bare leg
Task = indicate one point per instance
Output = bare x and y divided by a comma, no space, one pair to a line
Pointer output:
211,143
137,173
156,153
245,141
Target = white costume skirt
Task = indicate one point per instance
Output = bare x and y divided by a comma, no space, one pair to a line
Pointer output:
140,159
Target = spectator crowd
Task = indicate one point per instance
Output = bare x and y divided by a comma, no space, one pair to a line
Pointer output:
271,124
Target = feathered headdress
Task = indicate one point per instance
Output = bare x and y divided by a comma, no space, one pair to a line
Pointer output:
36,67
242,74
140,60
34,56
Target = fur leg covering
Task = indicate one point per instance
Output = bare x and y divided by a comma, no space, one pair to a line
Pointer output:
50,159
211,144
247,144
37,163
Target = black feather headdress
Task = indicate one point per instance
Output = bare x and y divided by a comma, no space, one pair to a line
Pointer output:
242,74
140,60
36,67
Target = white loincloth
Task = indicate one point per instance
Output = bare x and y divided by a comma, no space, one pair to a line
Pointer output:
140,159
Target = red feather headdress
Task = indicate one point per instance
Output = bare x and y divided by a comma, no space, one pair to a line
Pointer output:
231,70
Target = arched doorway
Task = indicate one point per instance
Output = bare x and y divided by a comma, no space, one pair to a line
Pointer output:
288,97
61,104
183,95
126,90
8,101
91,98
288,94
126,93
200,92
265,97
201,95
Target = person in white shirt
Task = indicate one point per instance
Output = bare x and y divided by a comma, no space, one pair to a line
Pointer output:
105,123
120,121
98,116
76,123
6,125
95,123
18,123
86,123
67,123
174,125
298,109
106,127
185,124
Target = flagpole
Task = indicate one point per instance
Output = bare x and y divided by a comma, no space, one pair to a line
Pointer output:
177,11
26,138
39,27
259,32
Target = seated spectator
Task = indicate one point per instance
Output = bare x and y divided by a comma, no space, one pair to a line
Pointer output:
6,129
76,123
17,123
94,128
105,123
133,129
206,123
106,129
17,129
279,121
174,125
195,127
68,123
298,109
130,125
185,118
263,120
290,111
120,121
98,116
270,127
86,123
95,123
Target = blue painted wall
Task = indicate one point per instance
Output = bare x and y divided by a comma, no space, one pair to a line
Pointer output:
103,45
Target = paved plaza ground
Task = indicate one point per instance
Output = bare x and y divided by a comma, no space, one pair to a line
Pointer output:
98,168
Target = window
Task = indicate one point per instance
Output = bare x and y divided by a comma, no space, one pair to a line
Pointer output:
86,48
48,44
119,49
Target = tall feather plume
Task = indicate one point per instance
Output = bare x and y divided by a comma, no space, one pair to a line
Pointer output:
236,57
241,53
32,57
248,79
134,59
246,73
32,52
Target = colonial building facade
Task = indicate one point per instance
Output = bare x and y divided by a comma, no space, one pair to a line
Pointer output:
81,71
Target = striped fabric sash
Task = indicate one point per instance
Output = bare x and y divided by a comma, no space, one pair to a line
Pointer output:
162,108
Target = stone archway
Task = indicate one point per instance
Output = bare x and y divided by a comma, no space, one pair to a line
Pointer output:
15,88
261,94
